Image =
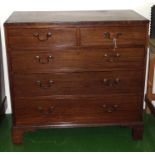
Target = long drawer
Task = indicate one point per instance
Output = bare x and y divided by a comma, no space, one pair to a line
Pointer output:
83,59
78,83
34,38
113,36
86,110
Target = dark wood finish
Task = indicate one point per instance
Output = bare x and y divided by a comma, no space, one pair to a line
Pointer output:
3,104
18,133
137,131
75,17
23,38
76,69
80,110
124,35
85,83
77,60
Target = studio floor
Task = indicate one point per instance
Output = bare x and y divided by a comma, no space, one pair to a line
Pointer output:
80,139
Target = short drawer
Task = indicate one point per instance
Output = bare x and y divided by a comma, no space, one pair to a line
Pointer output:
113,36
84,110
84,83
77,60
34,38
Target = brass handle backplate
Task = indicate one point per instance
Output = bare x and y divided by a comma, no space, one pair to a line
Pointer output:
118,34
109,108
113,36
44,85
46,111
42,37
106,35
44,61
111,82
111,57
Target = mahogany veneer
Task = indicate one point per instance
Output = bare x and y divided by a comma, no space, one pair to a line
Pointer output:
76,69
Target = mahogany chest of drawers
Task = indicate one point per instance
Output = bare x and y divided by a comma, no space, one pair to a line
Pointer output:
76,69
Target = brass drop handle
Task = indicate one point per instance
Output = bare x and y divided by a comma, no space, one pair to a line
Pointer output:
111,82
109,108
46,61
42,38
112,57
106,55
106,35
45,86
40,108
45,112
118,34
117,55
117,80
51,108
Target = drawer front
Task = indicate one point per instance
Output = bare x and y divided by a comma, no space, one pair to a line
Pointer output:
88,110
113,36
34,38
84,83
86,60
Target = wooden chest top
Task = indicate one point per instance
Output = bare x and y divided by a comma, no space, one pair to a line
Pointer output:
75,17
